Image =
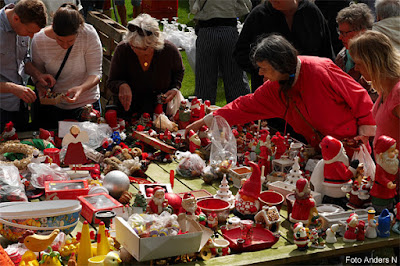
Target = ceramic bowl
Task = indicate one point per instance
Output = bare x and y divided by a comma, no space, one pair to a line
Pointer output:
220,207
271,198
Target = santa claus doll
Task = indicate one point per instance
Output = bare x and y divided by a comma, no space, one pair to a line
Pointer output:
158,203
9,132
304,205
351,233
246,200
387,166
196,110
189,205
333,171
194,141
300,237
182,116
204,137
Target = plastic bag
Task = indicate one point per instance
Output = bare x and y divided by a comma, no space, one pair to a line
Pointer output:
46,172
223,142
11,187
363,156
191,164
173,106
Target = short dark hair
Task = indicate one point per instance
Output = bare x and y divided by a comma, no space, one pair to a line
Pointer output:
281,55
67,20
31,11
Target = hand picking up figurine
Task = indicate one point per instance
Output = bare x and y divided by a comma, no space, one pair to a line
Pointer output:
333,171
387,166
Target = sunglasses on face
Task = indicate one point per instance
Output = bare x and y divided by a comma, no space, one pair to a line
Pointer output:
140,31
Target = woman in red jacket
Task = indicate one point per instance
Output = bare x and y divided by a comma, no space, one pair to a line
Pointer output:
312,94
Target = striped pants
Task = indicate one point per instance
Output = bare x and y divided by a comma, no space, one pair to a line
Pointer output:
214,48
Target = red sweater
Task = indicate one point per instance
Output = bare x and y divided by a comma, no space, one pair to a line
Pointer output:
327,97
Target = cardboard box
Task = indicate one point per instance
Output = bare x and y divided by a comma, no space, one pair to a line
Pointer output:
69,189
97,202
150,248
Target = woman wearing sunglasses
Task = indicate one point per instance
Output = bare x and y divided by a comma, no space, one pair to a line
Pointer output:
144,66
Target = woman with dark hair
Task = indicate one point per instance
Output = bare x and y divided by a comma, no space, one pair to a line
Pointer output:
312,94
81,73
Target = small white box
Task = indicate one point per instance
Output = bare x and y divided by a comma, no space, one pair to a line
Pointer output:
238,173
143,249
282,165
285,188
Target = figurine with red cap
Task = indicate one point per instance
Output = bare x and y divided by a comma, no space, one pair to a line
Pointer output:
279,142
351,231
304,206
158,203
212,220
189,205
300,237
9,132
182,116
204,137
246,200
333,171
383,189
195,110
194,141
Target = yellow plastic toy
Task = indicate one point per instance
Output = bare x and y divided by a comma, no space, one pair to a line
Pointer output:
37,243
51,258
85,247
29,259
111,259
103,247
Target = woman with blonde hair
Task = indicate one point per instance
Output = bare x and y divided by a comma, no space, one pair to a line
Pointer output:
144,66
378,61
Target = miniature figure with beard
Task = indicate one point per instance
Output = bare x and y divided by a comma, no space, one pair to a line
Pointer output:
158,203
383,190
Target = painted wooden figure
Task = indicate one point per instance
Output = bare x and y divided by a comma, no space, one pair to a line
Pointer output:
75,154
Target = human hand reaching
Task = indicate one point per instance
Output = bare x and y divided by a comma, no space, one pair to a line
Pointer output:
125,96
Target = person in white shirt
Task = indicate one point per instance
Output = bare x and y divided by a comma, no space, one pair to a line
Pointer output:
80,76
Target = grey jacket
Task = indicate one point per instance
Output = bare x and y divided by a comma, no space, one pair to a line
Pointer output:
219,8
391,28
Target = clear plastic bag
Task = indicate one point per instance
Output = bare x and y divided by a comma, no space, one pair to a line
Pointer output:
190,165
363,156
223,142
46,172
173,105
11,187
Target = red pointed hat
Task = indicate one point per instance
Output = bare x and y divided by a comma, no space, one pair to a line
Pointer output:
44,134
203,128
188,195
157,188
301,184
383,144
330,147
252,186
297,227
351,217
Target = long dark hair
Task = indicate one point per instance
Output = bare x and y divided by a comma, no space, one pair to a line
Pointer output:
67,20
281,55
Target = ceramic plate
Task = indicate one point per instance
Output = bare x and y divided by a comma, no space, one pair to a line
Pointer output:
324,209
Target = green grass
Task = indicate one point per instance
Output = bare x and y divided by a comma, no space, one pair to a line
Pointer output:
188,82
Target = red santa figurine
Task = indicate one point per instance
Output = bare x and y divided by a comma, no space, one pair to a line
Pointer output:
195,110
194,141
158,203
189,205
9,132
300,236
204,137
387,166
333,171
246,200
212,220
280,147
304,206
182,116
351,233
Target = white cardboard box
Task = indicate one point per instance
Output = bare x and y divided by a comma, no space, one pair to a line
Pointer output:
143,249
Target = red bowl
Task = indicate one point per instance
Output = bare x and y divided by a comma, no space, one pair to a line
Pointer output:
220,207
290,198
271,198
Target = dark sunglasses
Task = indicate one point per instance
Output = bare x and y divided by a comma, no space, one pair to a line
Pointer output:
139,30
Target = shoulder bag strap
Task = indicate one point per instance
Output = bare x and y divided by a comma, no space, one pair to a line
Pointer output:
205,2
63,63
319,134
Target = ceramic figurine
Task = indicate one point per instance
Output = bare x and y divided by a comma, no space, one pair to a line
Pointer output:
316,240
220,247
196,110
204,136
111,259
370,232
300,236
9,132
212,220
359,194
361,231
194,141
182,116
279,142
158,203
304,205
224,193
90,114
352,222
269,218
387,166
39,243
331,234
247,158
246,202
333,171
189,205
75,154
396,226
384,222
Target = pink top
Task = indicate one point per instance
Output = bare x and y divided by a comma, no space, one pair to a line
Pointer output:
386,122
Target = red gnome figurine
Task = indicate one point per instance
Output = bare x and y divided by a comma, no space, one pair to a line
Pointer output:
194,141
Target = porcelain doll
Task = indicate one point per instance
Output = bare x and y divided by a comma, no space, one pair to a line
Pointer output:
269,218
383,190
304,205
333,171
331,234
370,232
246,200
351,231
300,236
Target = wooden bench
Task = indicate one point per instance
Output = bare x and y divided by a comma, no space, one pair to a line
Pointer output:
110,33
